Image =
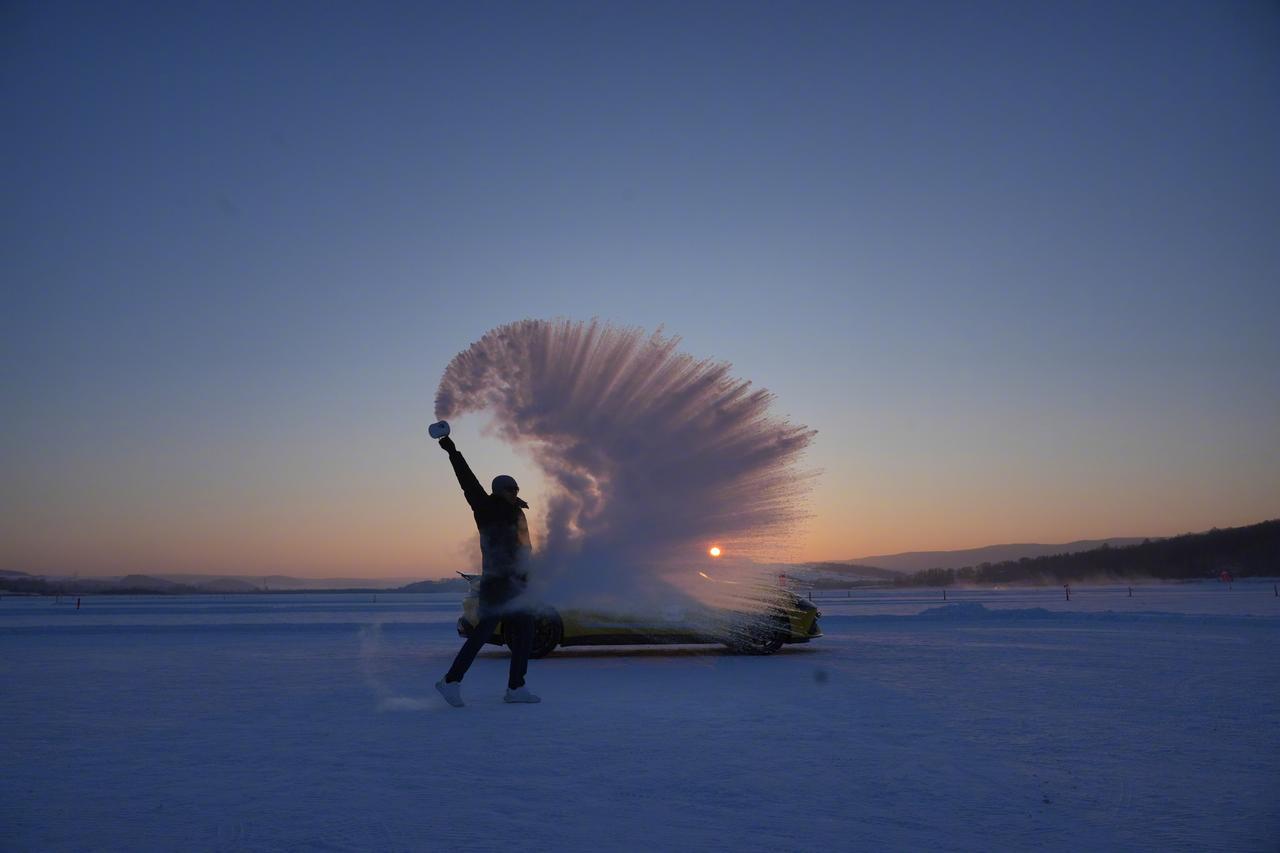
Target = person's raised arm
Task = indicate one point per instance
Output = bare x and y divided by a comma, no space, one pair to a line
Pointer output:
471,487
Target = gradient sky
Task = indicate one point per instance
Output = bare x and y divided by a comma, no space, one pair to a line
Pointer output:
1019,263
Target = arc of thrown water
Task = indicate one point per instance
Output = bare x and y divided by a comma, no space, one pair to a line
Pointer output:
649,452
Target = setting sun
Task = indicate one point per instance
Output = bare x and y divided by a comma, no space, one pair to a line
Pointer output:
714,551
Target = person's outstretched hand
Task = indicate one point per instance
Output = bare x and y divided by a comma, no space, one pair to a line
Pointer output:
447,444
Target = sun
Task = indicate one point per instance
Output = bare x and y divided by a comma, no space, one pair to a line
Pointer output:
714,551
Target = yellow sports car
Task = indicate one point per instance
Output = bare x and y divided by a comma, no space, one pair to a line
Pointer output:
788,618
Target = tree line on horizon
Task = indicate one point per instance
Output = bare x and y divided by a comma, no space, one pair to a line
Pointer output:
1248,551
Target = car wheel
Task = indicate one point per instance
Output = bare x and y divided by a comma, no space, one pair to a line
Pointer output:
764,638
548,631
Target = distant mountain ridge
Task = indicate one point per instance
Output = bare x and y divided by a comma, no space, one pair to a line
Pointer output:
139,584
838,575
1233,552
285,582
1188,555
914,561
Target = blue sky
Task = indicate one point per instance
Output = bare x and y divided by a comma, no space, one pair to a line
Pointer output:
1019,264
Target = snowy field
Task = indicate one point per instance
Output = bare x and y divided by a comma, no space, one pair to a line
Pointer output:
997,720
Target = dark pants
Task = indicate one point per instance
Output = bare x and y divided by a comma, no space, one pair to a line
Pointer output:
520,629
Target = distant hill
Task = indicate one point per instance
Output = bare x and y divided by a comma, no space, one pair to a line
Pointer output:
227,585
914,561
139,584
838,575
442,585
150,583
1253,550
277,583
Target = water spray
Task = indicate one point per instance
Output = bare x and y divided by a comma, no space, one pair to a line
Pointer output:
650,455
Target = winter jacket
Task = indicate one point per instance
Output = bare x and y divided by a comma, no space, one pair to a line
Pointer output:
504,535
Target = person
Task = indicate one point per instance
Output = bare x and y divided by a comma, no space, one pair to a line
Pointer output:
505,548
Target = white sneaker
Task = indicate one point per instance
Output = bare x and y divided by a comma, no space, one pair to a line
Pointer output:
520,694
452,692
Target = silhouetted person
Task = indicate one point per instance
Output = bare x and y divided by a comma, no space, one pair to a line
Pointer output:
505,548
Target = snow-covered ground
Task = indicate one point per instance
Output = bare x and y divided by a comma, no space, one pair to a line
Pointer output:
997,720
